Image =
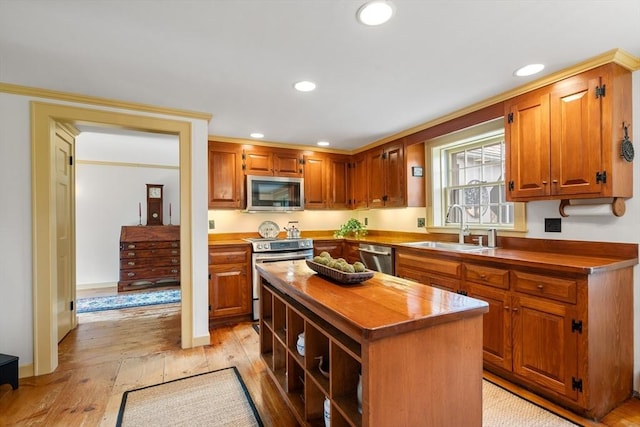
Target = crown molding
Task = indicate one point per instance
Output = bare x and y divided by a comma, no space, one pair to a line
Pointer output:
94,100
616,56
274,144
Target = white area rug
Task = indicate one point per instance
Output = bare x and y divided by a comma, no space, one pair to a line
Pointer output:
214,399
501,408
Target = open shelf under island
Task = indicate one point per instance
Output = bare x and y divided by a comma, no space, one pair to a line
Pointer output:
417,348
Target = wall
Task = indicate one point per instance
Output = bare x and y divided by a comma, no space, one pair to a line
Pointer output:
111,172
16,231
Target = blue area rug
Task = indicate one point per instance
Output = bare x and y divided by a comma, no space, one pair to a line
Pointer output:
114,302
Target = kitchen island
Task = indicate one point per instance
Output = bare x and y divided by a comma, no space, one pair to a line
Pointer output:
418,349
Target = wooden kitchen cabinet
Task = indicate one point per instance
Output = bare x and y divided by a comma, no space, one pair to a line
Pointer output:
563,140
230,282
315,181
358,181
350,251
333,247
226,180
387,185
566,336
338,181
441,273
266,161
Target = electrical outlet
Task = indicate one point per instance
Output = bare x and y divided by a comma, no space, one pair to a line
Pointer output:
553,225
366,221
212,224
421,222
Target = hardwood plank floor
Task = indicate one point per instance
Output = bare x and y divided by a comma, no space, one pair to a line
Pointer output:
114,351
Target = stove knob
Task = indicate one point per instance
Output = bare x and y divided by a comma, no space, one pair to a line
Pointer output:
266,246
259,246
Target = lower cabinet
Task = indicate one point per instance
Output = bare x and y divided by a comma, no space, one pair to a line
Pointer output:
229,282
439,273
310,362
566,336
333,247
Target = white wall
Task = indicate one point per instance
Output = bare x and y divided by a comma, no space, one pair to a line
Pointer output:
16,233
111,172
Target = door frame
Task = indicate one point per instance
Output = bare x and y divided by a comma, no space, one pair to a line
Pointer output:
44,117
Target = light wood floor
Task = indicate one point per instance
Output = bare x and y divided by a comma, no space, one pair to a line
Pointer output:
113,351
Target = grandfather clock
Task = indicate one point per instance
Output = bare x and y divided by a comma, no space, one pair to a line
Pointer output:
154,204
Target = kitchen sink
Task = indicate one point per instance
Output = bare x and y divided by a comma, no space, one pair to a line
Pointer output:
446,246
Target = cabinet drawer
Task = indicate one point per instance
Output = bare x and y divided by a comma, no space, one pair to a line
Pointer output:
148,253
545,286
228,256
150,245
133,263
496,277
426,263
150,273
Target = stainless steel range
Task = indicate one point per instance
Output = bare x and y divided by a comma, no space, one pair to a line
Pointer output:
272,250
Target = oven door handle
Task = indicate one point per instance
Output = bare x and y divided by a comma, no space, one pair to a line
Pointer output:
281,258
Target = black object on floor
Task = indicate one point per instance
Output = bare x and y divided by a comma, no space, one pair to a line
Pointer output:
256,328
9,370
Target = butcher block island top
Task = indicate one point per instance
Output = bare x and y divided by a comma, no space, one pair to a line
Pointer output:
381,306
418,349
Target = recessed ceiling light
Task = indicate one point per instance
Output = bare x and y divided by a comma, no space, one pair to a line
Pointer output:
323,143
305,86
257,135
375,12
528,70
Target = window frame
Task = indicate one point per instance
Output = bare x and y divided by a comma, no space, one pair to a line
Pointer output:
435,149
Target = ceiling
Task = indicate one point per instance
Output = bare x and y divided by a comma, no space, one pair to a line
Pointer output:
239,59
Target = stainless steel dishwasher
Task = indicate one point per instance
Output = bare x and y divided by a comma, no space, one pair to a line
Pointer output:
378,258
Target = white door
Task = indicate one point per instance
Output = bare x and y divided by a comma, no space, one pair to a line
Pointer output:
65,241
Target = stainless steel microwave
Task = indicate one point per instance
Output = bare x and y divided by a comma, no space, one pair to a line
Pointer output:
272,193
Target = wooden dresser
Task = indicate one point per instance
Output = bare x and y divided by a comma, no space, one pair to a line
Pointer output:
149,256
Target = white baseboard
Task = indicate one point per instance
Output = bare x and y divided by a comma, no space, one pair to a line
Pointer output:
85,286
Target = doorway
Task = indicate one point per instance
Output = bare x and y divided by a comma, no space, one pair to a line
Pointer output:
44,120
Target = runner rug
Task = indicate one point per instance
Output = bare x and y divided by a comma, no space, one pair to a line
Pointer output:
218,398
135,299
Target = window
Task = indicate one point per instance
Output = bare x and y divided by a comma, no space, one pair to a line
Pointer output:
468,170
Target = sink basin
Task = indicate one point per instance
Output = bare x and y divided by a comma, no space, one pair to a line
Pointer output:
447,246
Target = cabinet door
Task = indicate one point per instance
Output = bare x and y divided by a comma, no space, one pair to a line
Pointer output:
376,189
350,252
229,291
527,138
334,247
576,138
544,346
315,181
394,176
258,162
358,179
338,177
287,163
226,189
496,324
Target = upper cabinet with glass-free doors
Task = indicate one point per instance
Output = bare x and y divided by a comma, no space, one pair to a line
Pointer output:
564,140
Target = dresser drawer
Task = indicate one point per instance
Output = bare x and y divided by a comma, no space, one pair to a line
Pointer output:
484,275
146,253
555,288
132,263
150,273
150,245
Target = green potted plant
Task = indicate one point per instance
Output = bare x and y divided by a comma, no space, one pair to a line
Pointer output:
352,227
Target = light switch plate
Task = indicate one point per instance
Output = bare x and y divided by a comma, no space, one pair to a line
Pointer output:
421,222
212,224
553,225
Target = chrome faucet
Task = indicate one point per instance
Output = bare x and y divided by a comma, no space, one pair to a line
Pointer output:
464,228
